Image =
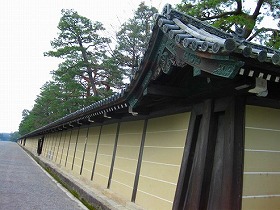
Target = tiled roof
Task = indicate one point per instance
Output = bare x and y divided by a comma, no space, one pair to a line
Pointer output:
199,36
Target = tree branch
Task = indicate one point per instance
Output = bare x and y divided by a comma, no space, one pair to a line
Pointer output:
239,6
225,14
257,9
261,30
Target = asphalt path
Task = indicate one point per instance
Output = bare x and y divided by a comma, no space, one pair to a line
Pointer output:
24,185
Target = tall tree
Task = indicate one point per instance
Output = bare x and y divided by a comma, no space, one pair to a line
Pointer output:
248,15
133,37
84,51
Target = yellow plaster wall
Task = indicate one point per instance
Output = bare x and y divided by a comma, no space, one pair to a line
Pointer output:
31,144
163,151
126,158
45,145
61,139
93,135
52,146
71,150
104,156
261,184
49,145
80,150
55,145
65,147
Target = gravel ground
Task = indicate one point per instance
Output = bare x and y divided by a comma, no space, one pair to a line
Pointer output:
24,185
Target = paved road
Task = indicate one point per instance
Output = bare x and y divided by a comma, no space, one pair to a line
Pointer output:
25,186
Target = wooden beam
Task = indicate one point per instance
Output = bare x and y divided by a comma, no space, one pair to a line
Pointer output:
167,91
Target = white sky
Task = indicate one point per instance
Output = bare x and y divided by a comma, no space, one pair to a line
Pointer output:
27,27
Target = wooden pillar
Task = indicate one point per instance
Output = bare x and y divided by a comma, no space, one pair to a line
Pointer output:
84,151
56,136
77,139
114,156
58,146
63,147
66,158
96,152
212,167
139,163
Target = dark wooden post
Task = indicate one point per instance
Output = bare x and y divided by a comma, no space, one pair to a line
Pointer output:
139,162
84,152
114,156
63,147
96,152
212,166
66,158
75,149
58,146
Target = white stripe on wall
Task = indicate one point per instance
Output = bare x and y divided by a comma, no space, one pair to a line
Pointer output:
126,158
122,183
103,165
159,180
263,129
167,131
165,164
95,173
130,146
259,150
155,196
89,161
160,147
260,196
118,169
262,173
100,154
123,134
86,169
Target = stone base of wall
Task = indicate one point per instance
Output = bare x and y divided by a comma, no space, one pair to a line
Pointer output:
93,198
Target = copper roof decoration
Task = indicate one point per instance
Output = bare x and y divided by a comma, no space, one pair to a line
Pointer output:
182,48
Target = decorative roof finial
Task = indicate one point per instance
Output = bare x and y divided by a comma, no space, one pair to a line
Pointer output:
166,10
239,32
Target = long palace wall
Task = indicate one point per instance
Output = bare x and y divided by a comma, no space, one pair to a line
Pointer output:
138,160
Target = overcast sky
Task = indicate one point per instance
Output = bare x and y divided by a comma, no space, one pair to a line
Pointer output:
27,27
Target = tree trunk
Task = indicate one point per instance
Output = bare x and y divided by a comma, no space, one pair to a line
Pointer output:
89,70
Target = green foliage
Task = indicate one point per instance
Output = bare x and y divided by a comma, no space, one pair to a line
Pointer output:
84,54
133,37
228,14
87,73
